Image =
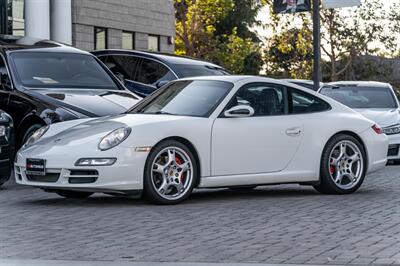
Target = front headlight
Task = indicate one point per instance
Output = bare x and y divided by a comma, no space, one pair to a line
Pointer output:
36,135
114,138
392,130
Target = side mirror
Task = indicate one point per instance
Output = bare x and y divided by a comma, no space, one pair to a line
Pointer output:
161,83
240,111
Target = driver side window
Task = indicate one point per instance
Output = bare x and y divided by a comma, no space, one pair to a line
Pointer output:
265,99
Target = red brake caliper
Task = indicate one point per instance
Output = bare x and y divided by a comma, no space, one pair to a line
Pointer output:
179,162
332,169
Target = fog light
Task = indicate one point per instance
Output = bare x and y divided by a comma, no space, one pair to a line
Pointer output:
95,161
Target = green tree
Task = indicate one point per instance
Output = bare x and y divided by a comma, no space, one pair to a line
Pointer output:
290,54
366,30
205,29
242,17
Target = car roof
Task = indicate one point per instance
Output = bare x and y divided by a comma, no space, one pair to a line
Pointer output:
306,81
165,58
13,43
237,78
359,84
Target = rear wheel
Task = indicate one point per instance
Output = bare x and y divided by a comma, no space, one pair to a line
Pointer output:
74,194
343,166
170,173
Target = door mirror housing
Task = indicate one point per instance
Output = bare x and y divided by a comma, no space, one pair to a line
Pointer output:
240,111
162,83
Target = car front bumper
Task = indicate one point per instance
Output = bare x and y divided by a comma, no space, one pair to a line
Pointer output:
124,176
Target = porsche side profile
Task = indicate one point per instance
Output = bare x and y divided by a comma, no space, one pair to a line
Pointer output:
207,132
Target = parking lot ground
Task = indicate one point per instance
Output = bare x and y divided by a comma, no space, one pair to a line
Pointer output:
8,262
271,225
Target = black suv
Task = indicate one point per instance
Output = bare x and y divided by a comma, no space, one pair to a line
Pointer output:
144,72
43,82
6,146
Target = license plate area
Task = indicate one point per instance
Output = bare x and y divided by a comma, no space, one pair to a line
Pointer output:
35,166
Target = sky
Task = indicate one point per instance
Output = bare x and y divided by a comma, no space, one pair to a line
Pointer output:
264,16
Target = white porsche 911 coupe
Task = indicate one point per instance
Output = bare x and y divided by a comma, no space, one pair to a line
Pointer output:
209,132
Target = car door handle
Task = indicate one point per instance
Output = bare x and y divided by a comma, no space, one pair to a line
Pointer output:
293,132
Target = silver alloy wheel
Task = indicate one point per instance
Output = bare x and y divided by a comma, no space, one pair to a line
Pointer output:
346,164
172,173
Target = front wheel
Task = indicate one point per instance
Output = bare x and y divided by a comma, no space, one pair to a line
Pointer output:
170,173
74,194
343,166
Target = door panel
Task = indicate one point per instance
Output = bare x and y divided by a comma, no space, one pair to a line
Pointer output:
263,143
254,144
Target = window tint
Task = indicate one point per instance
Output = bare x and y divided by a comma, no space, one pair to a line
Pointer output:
60,70
265,99
185,98
121,65
152,72
200,70
302,102
362,97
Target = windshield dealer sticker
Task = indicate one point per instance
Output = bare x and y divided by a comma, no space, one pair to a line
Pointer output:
46,80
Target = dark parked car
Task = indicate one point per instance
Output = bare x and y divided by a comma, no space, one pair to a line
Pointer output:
43,82
6,146
309,84
144,72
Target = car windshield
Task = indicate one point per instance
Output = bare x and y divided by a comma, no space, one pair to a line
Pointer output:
61,70
186,98
200,70
362,97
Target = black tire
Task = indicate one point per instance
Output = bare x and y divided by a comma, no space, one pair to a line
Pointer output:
149,191
28,133
326,184
74,194
241,188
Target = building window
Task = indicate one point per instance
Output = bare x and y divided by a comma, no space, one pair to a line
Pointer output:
18,25
154,43
128,40
100,38
12,17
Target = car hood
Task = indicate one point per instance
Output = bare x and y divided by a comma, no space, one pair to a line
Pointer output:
92,103
383,117
79,132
